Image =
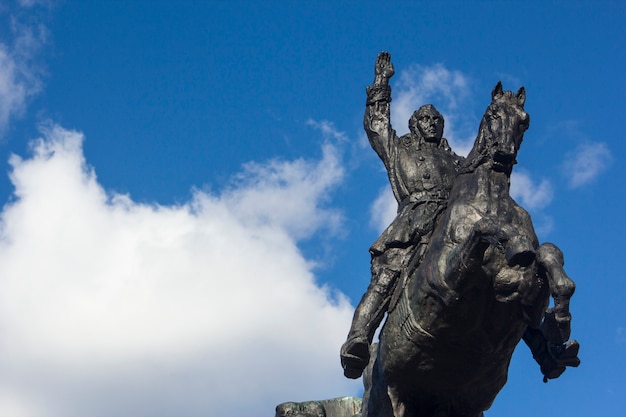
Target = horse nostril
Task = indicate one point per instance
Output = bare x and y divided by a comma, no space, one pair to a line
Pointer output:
503,158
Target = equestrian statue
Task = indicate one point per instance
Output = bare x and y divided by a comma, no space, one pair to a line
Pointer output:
460,273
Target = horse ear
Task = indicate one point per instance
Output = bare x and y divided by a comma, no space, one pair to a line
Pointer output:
521,96
497,90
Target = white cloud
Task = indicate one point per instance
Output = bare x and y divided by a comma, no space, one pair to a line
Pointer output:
20,76
110,307
530,195
586,162
287,195
533,197
383,210
12,91
328,129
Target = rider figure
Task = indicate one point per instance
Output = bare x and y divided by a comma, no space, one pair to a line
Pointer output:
421,168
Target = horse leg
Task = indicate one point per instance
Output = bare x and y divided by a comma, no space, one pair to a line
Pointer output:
552,359
549,343
557,320
518,246
470,252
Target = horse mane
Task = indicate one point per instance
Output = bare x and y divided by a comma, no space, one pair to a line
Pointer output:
478,155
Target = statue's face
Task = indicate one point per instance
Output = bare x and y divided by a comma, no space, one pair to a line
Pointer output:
430,125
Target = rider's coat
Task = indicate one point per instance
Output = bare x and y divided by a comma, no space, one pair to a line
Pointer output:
421,173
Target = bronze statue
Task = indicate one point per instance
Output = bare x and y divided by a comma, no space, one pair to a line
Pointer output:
481,285
460,272
421,168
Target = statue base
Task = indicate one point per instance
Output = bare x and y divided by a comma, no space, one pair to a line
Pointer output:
336,407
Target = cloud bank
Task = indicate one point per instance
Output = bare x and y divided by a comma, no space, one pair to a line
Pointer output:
109,307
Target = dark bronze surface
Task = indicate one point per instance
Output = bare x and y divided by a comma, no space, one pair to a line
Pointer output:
459,272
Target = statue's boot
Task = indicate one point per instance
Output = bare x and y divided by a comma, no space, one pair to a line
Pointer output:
369,313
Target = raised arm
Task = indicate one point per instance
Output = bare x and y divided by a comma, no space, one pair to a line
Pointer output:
377,121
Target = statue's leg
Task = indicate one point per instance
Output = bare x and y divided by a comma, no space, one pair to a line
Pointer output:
407,271
368,315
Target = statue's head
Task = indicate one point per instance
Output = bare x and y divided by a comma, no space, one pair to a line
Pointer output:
427,122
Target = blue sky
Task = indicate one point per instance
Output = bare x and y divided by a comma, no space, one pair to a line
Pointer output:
188,194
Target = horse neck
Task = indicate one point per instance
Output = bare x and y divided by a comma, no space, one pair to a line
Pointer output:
482,188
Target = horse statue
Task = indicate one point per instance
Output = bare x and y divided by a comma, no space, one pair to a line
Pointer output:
483,284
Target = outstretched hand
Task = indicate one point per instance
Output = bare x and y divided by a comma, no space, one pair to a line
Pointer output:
383,69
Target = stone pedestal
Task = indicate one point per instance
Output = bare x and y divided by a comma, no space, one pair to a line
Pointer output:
336,407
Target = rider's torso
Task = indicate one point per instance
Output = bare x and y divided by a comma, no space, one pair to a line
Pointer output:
429,169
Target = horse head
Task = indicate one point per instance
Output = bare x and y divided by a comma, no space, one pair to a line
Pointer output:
501,131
